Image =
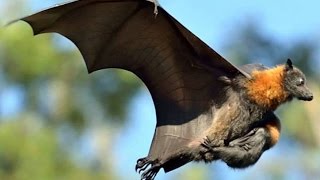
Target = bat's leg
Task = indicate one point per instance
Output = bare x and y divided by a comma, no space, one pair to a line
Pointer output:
244,151
156,4
244,139
208,144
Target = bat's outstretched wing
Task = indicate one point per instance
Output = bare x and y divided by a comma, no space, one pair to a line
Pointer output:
165,55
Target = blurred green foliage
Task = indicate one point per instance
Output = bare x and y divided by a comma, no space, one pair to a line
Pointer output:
30,150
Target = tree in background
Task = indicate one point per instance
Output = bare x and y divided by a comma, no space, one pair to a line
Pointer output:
59,104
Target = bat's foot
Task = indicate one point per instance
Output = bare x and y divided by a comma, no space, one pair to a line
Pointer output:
143,164
156,4
207,143
207,153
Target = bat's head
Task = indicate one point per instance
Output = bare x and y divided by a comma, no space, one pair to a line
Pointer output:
271,87
295,83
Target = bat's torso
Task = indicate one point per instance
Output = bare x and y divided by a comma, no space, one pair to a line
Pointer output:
235,117
232,120
249,104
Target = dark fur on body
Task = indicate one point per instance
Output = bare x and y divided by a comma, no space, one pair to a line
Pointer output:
249,127
239,133
241,137
246,150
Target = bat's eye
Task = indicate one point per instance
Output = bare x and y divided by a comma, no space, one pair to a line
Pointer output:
300,82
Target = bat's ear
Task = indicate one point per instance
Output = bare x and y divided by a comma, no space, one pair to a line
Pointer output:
289,65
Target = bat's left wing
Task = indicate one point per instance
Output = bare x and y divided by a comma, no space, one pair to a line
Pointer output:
165,55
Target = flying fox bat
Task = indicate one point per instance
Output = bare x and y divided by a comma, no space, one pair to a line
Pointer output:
207,109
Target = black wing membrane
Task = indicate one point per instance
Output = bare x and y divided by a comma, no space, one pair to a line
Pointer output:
125,34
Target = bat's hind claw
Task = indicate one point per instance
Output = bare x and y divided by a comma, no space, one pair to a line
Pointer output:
151,173
207,143
143,164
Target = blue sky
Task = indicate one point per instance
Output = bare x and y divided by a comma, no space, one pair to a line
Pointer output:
214,22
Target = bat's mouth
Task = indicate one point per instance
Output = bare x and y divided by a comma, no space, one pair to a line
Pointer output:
306,98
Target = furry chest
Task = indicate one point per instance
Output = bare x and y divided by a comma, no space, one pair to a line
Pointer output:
232,121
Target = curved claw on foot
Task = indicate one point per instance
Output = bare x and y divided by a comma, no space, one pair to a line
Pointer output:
142,164
207,143
151,173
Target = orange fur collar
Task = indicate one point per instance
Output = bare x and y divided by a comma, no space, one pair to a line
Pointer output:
266,87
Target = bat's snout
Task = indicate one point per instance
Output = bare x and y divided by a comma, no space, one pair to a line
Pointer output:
307,97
